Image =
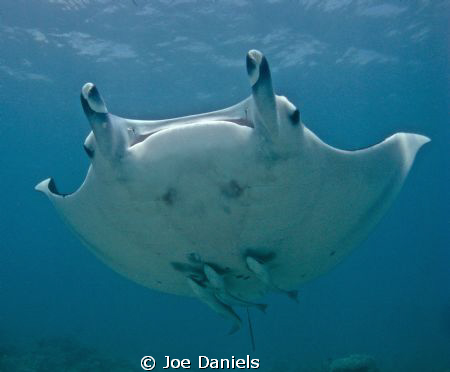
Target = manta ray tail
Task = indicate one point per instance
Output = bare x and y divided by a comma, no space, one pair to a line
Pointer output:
250,328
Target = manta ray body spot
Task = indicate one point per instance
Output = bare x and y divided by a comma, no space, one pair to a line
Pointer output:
193,257
232,190
226,209
169,196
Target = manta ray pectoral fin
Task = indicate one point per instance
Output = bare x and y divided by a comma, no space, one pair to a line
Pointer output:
110,132
265,116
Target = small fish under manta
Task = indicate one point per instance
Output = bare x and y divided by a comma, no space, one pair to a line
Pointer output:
210,287
229,205
212,290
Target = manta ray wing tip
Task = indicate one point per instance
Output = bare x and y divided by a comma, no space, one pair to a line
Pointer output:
43,186
410,144
422,139
48,187
414,141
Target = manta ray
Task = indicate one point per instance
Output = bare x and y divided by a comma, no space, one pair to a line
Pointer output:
228,205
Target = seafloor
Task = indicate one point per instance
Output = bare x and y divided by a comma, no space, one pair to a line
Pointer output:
67,355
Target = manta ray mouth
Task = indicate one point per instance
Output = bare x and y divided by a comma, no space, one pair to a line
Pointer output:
138,138
242,122
142,137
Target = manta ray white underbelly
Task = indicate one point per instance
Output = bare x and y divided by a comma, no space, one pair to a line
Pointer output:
248,192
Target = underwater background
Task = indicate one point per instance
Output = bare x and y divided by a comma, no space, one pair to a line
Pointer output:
358,70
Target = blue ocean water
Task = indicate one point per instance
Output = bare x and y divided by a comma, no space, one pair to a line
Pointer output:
358,71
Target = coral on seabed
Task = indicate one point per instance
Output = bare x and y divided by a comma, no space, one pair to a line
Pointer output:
354,363
59,355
